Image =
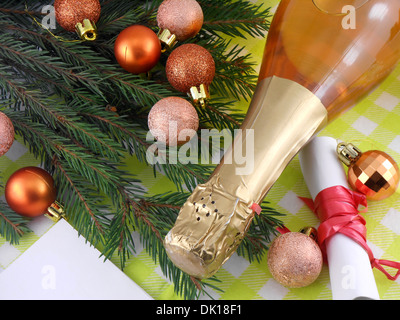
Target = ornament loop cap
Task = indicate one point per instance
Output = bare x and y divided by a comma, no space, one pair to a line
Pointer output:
348,153
199,96
311,232
167,39
87,30
55,212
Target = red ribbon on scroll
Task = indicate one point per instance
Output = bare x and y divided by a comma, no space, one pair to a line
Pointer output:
338,210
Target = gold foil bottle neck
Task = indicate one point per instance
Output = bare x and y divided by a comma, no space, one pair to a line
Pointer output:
210,226
282,117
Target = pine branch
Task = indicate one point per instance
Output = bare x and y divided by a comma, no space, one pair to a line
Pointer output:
84,207
90,68
221,115
235,18
120,236
159,214
153,229
134,137
77,195
260,233
118,15
59,94
12,225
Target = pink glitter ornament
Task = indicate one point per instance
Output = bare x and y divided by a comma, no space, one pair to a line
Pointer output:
173,120
6,134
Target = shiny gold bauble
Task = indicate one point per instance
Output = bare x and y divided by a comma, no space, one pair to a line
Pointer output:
71,12
173,120
30,191
295,260
183,18
7,134
375,174
190,65
137,49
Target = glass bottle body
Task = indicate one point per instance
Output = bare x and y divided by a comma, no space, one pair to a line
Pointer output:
337,56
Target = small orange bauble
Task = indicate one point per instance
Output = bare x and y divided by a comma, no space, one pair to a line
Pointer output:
78,15
374,174
190,65
71,12
30,191
137,49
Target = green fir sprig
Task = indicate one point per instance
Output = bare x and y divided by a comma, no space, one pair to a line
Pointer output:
81,114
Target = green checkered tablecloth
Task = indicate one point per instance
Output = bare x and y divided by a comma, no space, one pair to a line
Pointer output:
374,123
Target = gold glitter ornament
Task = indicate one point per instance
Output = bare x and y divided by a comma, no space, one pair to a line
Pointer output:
78,16
178,20
190,69
173,120
6,134
373,173
295,259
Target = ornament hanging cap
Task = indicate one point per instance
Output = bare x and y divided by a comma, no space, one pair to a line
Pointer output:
78,16
311,232
178,20
167,39
199,95
55,212
348,153
86,30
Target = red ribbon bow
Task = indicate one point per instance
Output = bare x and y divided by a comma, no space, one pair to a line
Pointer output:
337,209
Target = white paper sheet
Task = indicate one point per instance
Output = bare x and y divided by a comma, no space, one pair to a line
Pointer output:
350,270
63,266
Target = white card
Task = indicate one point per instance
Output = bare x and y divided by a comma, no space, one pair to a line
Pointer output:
62,266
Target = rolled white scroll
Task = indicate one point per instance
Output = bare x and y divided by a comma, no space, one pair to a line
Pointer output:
350,270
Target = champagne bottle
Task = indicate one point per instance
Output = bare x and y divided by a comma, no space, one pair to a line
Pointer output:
314,67
313,43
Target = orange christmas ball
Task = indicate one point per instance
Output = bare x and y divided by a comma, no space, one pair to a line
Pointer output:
78,15
30,191
71,12
137,49
374,174
190,65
